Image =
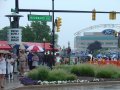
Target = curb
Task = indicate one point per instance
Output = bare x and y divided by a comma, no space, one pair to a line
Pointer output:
30,87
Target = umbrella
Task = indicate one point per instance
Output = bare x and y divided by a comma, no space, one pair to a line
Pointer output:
35,48
99,56
20,46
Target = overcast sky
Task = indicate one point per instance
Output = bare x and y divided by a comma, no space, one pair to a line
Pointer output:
71,22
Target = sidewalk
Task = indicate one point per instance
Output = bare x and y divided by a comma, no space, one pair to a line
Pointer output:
11,84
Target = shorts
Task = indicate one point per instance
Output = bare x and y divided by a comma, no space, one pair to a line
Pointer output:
2,71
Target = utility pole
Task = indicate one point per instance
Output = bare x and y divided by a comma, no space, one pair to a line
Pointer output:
53,30
16,6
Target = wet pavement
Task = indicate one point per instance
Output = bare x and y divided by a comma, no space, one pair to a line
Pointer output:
15,83
12,84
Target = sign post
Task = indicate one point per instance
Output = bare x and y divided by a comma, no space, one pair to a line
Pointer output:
14,36
14,33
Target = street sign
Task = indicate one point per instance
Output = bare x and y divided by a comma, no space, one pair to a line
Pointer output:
32,17
14,35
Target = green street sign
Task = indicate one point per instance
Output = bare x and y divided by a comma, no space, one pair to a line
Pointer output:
32,17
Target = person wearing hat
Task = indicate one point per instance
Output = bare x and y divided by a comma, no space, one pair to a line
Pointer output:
22,59
2,70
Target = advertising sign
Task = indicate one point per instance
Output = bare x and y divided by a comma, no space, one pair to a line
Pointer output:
14,36
108,32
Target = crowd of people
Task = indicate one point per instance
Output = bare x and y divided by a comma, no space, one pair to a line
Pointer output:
22,62
11,63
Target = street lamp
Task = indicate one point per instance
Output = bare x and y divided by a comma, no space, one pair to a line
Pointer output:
44,43
44,50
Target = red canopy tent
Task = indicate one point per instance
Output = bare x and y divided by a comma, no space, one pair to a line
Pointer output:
4,45
43,45
47,47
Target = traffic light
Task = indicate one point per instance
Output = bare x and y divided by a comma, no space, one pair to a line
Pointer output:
112,15
93,14
58,23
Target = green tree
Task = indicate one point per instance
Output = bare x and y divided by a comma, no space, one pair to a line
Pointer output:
27,34
3,33
40,30
94,46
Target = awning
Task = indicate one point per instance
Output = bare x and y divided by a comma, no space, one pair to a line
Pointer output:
47,47
4,45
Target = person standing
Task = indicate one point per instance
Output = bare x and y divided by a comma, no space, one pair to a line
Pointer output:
10,64
2,70
51,61
35,60
58,59
22,59
30,55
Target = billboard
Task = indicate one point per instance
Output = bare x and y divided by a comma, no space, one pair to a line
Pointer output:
14,35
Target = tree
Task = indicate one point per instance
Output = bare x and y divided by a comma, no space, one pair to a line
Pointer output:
94,46
40,30
35,32
3,33
27,34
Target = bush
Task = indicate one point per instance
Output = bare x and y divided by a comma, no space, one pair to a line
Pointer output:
83,70
40,73
118,75
75,70
104,74
108,71
60,74
71,77
43,73
64,67
33,74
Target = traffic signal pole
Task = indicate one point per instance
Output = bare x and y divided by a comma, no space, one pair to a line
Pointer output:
16,6
60,11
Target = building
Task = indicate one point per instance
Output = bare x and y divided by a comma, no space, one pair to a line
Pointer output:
108,41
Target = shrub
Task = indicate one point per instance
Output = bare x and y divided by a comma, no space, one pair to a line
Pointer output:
108,71
71,77
104,74
33,74
75,70
118,75
83,70
64,67
40,73
60,74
